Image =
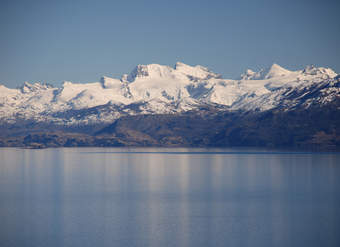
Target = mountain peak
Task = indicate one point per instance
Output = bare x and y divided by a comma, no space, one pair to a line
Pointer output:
197,71
2,86
179,64
108,82
150,70
249,74
67,83
162,71
138,71
272,72
276,66
28,87
276,71
160,89
312,70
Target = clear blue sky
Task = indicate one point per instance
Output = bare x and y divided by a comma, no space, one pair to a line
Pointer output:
52,41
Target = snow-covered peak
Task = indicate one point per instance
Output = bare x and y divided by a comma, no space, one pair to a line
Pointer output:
5,90
108,82
275,71
151,71
315,71
28,87
197,71
162,89
249,75
156,71
138,72
67,83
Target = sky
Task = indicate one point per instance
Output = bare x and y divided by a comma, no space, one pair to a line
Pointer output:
80,41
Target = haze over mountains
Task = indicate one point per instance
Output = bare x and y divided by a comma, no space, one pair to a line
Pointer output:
162,90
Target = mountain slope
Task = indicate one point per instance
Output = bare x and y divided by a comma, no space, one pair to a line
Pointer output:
159,89
317,127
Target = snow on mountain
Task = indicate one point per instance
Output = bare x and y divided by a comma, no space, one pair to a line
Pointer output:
196,72
274,71
158,88
79,96
249,75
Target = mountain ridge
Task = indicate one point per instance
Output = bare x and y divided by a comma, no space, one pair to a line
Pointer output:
159,89
158,105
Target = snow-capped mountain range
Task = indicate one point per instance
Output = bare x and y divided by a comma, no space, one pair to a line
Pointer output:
160,89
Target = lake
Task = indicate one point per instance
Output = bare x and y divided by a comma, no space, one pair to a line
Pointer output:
168,197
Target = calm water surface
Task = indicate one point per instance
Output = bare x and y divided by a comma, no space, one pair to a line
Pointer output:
168,197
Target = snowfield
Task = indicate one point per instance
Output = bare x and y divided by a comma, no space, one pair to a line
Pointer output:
160,89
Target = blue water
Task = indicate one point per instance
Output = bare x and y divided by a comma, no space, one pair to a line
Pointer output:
168,197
